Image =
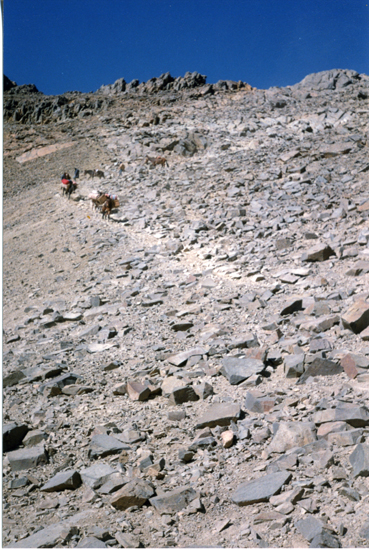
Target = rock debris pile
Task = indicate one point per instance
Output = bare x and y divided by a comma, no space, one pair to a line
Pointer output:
194,372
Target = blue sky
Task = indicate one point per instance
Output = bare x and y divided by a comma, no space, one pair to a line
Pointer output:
63,45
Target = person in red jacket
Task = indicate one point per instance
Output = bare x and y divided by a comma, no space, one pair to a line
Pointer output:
65,179
68,182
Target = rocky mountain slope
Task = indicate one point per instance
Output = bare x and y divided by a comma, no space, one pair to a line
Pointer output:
193,372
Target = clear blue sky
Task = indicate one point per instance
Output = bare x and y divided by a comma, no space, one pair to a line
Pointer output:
63,45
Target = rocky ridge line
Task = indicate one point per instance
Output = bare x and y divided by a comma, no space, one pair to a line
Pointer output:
23,104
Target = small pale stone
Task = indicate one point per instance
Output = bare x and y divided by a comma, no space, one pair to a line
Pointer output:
227,438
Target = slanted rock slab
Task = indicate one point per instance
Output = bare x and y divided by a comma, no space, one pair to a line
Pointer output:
310,527
219,414
180,358
356,317
48,537
61,381
319,253
13,378
294,304
114,483
238,369
104,445
173,501
27,458
246,341
292,434
64,480
91,542
134,493
325,540
351,365
359,459
354,416
260,490
320,367
96,475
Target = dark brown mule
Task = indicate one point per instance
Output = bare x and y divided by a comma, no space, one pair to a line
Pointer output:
69,188
107,207
99,200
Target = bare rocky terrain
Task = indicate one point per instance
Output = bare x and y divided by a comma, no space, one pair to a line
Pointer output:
195,371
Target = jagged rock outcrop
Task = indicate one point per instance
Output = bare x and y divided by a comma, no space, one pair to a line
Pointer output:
330,80
26,110
154,85
20,106
8,84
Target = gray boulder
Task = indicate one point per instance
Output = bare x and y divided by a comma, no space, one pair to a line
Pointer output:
219,414
292,434
260,490
183,395
13,435
48,538
310,527
64,480
238,369
359,460
134,493
27,458
320,367
319,253
173,501
105,445
96,475
91,542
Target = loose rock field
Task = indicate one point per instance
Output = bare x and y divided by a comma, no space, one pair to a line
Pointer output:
195,371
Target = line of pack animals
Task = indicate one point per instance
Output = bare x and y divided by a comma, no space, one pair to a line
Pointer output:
104,202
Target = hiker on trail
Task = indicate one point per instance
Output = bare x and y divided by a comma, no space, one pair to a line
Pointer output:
66,178
121,169
76,173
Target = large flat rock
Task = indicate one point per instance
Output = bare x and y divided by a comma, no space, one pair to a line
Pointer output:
134,493
64,480
260,490
179,359
292,434
238,369
27,458
42,151
173,501
102,445
353,415
356,318
220,414
320,367
359,460
97,474
59,533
